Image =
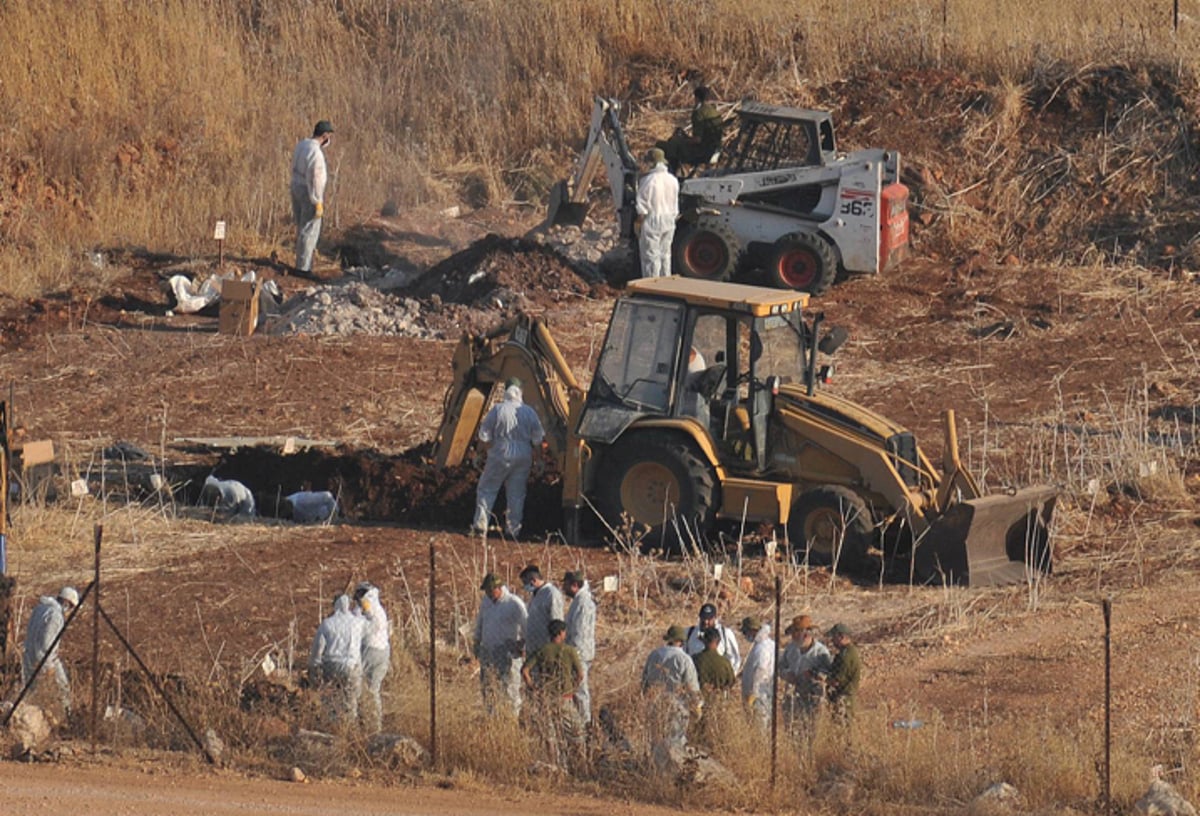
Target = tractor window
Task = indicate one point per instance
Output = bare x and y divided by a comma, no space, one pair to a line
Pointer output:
639,355
782,348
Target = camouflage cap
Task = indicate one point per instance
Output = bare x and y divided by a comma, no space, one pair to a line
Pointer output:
675,633
490,582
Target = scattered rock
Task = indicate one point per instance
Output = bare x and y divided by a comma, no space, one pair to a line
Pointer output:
1161,799
214,746
298,775
998,799
397,750
28,728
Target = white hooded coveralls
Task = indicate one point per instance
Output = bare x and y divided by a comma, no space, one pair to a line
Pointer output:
376,650
234,497
312,506
498,643
45,622
512,429
308,189
336,658
581,633
658,204
757,674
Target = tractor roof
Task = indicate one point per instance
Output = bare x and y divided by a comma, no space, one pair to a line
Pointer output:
756,300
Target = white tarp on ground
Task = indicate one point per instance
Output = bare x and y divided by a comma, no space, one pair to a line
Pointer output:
192,296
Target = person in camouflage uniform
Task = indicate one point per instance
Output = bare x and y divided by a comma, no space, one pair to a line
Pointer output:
552,675
841,684
708,133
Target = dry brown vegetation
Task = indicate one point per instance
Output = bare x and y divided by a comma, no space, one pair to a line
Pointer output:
1033,133
133,124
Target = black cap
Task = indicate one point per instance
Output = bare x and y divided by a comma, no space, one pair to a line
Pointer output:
708,611
323,127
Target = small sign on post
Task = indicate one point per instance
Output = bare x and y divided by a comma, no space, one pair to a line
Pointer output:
219,237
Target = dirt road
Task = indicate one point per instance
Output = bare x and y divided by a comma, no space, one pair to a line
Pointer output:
34,790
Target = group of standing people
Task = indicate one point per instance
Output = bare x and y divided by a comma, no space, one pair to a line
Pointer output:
703,662
352,649
535,658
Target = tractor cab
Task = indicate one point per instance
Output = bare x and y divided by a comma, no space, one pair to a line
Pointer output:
699,356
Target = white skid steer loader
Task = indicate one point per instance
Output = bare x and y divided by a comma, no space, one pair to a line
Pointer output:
780,205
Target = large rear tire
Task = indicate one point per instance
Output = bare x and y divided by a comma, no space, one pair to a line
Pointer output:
831,527
803,261
661,484
709,251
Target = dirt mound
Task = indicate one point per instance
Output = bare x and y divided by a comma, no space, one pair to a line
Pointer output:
373,487
499,272
472,290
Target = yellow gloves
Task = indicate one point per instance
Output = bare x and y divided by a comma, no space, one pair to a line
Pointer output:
320,209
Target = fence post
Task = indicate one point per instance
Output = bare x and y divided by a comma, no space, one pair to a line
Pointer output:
98,535
433,750
1106,604
775,685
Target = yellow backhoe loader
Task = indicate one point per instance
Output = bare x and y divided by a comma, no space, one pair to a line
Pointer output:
704,407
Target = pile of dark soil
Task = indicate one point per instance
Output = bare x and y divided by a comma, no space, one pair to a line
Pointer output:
497,271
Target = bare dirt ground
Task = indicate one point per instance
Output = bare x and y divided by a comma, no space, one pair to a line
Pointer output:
31,790
1047,369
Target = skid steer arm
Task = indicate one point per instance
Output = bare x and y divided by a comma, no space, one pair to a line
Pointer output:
605,147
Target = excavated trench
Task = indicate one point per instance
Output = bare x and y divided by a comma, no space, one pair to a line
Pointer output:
373,487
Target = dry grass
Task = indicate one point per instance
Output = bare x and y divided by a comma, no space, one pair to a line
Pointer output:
135,125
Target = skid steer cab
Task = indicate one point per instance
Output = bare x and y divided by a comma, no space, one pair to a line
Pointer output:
704,408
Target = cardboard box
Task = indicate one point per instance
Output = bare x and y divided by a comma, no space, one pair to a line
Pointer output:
239,307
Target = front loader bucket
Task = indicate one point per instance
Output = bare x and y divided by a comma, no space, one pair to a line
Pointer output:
991,540
562,211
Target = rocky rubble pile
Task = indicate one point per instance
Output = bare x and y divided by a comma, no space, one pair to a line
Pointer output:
351,308
591,247
491,280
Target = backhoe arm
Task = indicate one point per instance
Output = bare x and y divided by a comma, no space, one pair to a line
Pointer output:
522,348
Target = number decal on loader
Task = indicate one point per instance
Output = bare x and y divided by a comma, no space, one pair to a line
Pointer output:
859,204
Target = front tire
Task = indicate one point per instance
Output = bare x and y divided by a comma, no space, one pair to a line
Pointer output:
705,250
661,484
831,527
803,261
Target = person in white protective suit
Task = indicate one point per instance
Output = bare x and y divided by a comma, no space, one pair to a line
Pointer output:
658,205
545,604
231,496
672,689
335,662
308,192
758,669
498,643
377,647
309,506
45,622
581,633
511,431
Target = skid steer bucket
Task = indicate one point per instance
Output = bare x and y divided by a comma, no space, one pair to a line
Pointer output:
990,540
562,210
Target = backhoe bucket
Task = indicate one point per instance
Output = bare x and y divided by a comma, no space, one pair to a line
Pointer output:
562,211
1002,539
